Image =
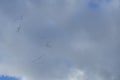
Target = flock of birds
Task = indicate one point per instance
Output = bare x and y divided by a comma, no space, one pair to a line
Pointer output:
48,43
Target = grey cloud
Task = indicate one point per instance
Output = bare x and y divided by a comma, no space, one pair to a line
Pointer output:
82,39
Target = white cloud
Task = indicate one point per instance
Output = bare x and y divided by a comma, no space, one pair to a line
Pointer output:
77,75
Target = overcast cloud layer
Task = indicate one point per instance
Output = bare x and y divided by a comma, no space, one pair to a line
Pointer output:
60,39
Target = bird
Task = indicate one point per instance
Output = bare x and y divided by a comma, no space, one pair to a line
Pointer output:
49,44
37,59
18,29
19,25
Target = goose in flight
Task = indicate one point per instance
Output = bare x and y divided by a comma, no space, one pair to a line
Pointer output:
38,59
49,44
19,26
18,29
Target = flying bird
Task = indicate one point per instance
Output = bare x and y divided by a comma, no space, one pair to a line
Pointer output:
49,44
19,26
18,29
37,60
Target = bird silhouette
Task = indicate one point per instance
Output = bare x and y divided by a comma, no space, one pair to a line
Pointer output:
19,25
37,59
49,44
18,29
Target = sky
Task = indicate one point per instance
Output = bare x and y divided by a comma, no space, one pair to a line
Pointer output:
3,77
60,39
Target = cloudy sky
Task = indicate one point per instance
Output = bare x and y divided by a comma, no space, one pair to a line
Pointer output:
60,39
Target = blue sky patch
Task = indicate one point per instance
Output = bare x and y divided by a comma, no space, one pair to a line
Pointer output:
93,5
7,78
